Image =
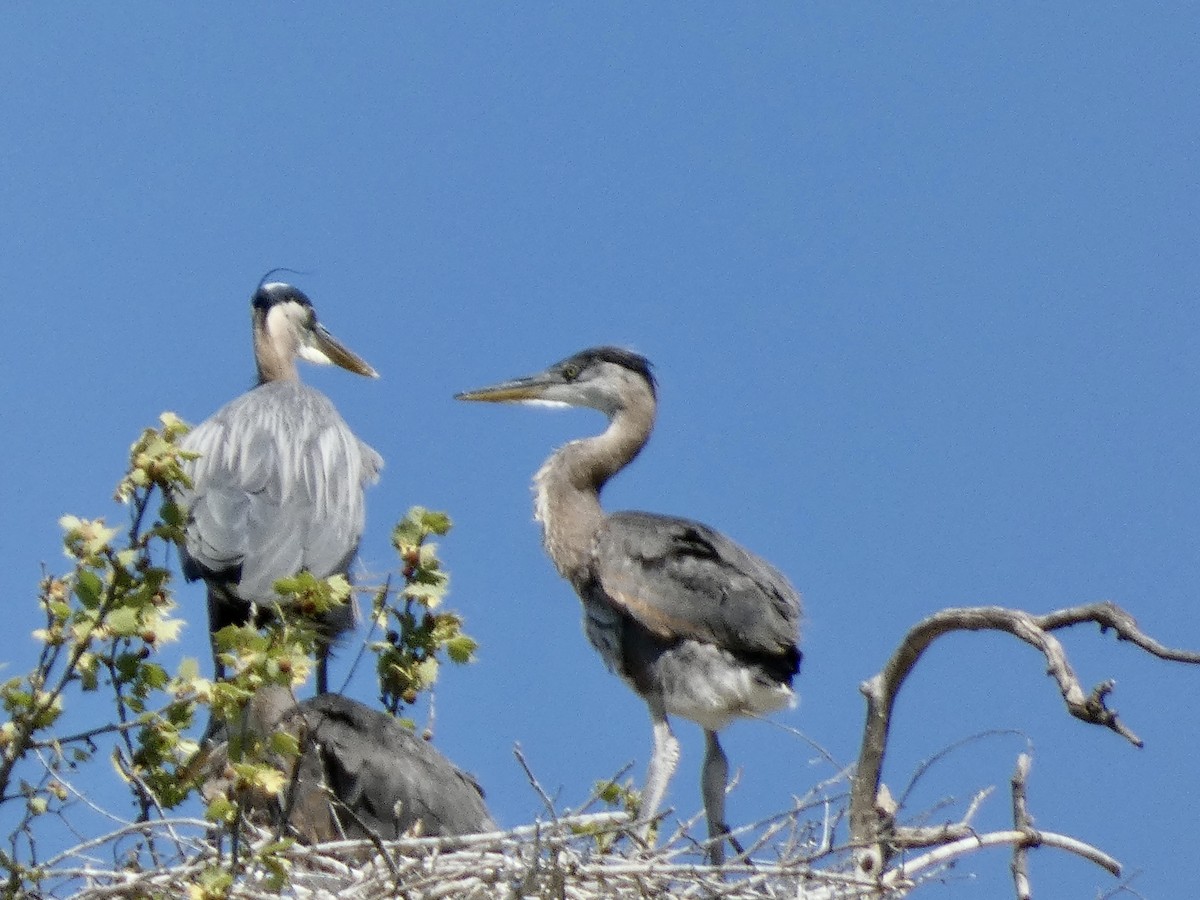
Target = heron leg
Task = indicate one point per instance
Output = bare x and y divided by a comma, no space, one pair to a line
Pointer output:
713,779
322,669
336,622
218,666
222,611
663,760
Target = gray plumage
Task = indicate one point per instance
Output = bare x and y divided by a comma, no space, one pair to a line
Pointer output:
360,773
694,623
683,579
278,486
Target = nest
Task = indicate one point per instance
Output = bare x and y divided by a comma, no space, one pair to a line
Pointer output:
582,857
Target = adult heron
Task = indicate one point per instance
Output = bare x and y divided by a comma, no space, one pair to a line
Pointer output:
360,773
278,484
696,625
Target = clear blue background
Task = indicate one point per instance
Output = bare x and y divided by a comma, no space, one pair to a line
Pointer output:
919,282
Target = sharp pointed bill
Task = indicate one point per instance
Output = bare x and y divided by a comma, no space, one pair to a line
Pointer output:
323,348
518,390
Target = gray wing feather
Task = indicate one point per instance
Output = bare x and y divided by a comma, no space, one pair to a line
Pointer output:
387,776
680,578
278,487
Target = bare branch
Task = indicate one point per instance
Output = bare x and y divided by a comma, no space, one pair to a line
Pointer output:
1108,615
1023,822
933,836
546,801
872,824
904,874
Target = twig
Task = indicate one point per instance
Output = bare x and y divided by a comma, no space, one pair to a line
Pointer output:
796,732
128,828
927,764
381,593
911,837
79,795
546,801
111,728
1023,822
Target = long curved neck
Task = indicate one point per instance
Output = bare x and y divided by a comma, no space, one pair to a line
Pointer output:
275,361
567,488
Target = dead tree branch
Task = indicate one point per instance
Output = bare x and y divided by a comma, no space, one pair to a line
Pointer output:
906,874
872,811
1023,822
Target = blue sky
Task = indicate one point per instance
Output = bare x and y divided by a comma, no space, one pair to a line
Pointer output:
919,283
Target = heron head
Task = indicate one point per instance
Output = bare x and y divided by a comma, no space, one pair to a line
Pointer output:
605,378
286,327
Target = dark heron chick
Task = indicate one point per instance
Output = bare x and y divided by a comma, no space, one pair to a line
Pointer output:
360,773
698,626
278,486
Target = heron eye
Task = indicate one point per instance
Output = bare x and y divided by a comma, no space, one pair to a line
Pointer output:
570,372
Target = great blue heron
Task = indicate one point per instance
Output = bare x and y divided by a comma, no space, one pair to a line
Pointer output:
278,486
360,773
695,624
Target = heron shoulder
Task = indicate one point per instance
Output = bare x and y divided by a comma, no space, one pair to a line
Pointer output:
277,486
283,431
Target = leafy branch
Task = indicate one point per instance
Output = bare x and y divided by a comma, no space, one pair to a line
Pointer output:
416,630
104,619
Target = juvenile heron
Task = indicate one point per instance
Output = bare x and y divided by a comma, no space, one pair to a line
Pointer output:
695,624
360,773
278,486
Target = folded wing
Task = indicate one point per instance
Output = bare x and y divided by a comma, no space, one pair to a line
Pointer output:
682,579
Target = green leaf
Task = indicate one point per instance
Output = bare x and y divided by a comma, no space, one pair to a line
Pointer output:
154,676
261,777
285,743
435,522
126,665
172,514
124,622
461,649
299,583
609,792
339,586
429,595
189,669
88,588
221,809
